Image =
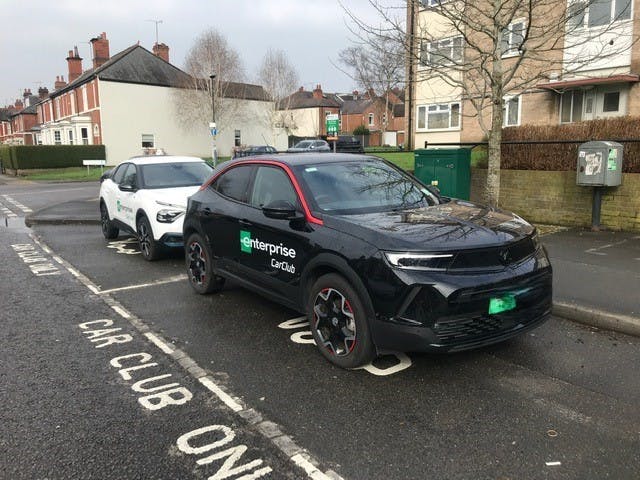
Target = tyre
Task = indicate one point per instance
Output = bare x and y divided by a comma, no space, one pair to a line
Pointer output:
199,262
150,249
338,322
108,229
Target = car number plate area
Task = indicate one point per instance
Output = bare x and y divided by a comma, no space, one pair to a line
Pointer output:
501,304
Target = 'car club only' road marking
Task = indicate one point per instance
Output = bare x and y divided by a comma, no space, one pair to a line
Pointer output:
158,390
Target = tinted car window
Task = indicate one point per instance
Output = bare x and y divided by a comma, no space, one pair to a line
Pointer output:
303,144
119,173
234,183
272,184
179,174
360,187
130,177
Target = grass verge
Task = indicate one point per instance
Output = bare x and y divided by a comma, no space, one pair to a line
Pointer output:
71,174
404,160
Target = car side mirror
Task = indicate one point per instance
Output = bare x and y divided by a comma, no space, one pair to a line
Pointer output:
281,210
125,187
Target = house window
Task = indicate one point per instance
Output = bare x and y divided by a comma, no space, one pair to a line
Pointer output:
511,112
439,116
84,134
148,140
70,133
611,102
57,137
237,136
571,106
603,12
512,39
447,51
371,120
432,3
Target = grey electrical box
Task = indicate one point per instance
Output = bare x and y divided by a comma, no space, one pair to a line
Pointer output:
600,164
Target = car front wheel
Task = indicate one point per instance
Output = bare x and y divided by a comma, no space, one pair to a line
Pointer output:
150,249
108,229
338,322
199,259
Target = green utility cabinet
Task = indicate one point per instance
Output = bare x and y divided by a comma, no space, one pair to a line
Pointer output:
449,169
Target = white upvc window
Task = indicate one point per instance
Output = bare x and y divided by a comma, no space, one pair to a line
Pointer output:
571,105
440,116
512,39
148,140
57,137
432,3
443,52
371,120
604,12
511,111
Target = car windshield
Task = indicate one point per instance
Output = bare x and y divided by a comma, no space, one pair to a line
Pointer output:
171,175
303,144
363,187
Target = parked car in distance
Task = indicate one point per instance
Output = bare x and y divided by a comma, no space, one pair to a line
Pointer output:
147,196
376,260
349,144
254,150
310,146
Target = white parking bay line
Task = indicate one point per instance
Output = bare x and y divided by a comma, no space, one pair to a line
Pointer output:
159,343
177,278
221,394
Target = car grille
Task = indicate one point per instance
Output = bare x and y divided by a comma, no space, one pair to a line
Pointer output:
494,257
463,319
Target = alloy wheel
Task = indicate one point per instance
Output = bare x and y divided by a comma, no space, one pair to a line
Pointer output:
334,322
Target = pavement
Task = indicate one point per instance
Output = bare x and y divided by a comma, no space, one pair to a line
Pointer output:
596,274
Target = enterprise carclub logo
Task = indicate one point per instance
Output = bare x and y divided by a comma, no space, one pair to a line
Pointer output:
245,241
247,244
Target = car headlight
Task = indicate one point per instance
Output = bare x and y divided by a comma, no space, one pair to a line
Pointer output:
168,215
419,261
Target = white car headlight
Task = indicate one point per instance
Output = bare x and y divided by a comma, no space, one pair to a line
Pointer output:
168,215
419,261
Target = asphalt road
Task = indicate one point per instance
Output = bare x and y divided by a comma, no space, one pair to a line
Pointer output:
559,402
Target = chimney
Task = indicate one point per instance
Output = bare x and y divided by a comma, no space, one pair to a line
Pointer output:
100,46
161,50
18,105
26,94
43,92
60,83
301,89
75,64
355,94
317,92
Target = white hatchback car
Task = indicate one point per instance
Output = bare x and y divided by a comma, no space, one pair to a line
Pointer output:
148,197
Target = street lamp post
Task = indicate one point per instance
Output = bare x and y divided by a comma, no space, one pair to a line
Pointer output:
212,125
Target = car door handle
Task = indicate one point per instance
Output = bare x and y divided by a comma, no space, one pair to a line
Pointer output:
244,222
207,211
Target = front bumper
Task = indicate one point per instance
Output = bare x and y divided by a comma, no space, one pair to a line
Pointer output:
436,319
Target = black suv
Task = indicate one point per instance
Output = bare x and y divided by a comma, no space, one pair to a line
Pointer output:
375,259
349,144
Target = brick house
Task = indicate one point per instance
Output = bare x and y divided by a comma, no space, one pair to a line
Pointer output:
304,113
384,119
598,87
18,122
128,102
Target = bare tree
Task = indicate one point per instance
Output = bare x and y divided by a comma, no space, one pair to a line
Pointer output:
486,50
280,79
210,54
377,66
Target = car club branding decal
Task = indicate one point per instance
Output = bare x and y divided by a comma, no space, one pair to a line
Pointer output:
123,208
248,244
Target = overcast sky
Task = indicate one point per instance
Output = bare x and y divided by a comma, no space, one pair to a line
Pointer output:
36,36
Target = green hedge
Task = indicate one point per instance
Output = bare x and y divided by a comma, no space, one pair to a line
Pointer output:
23,157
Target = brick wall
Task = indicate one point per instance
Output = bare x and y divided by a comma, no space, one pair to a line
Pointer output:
553,197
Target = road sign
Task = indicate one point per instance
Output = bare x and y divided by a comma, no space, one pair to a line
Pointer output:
333,124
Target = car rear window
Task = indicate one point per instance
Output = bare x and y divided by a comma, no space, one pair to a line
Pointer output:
363,187
173,175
